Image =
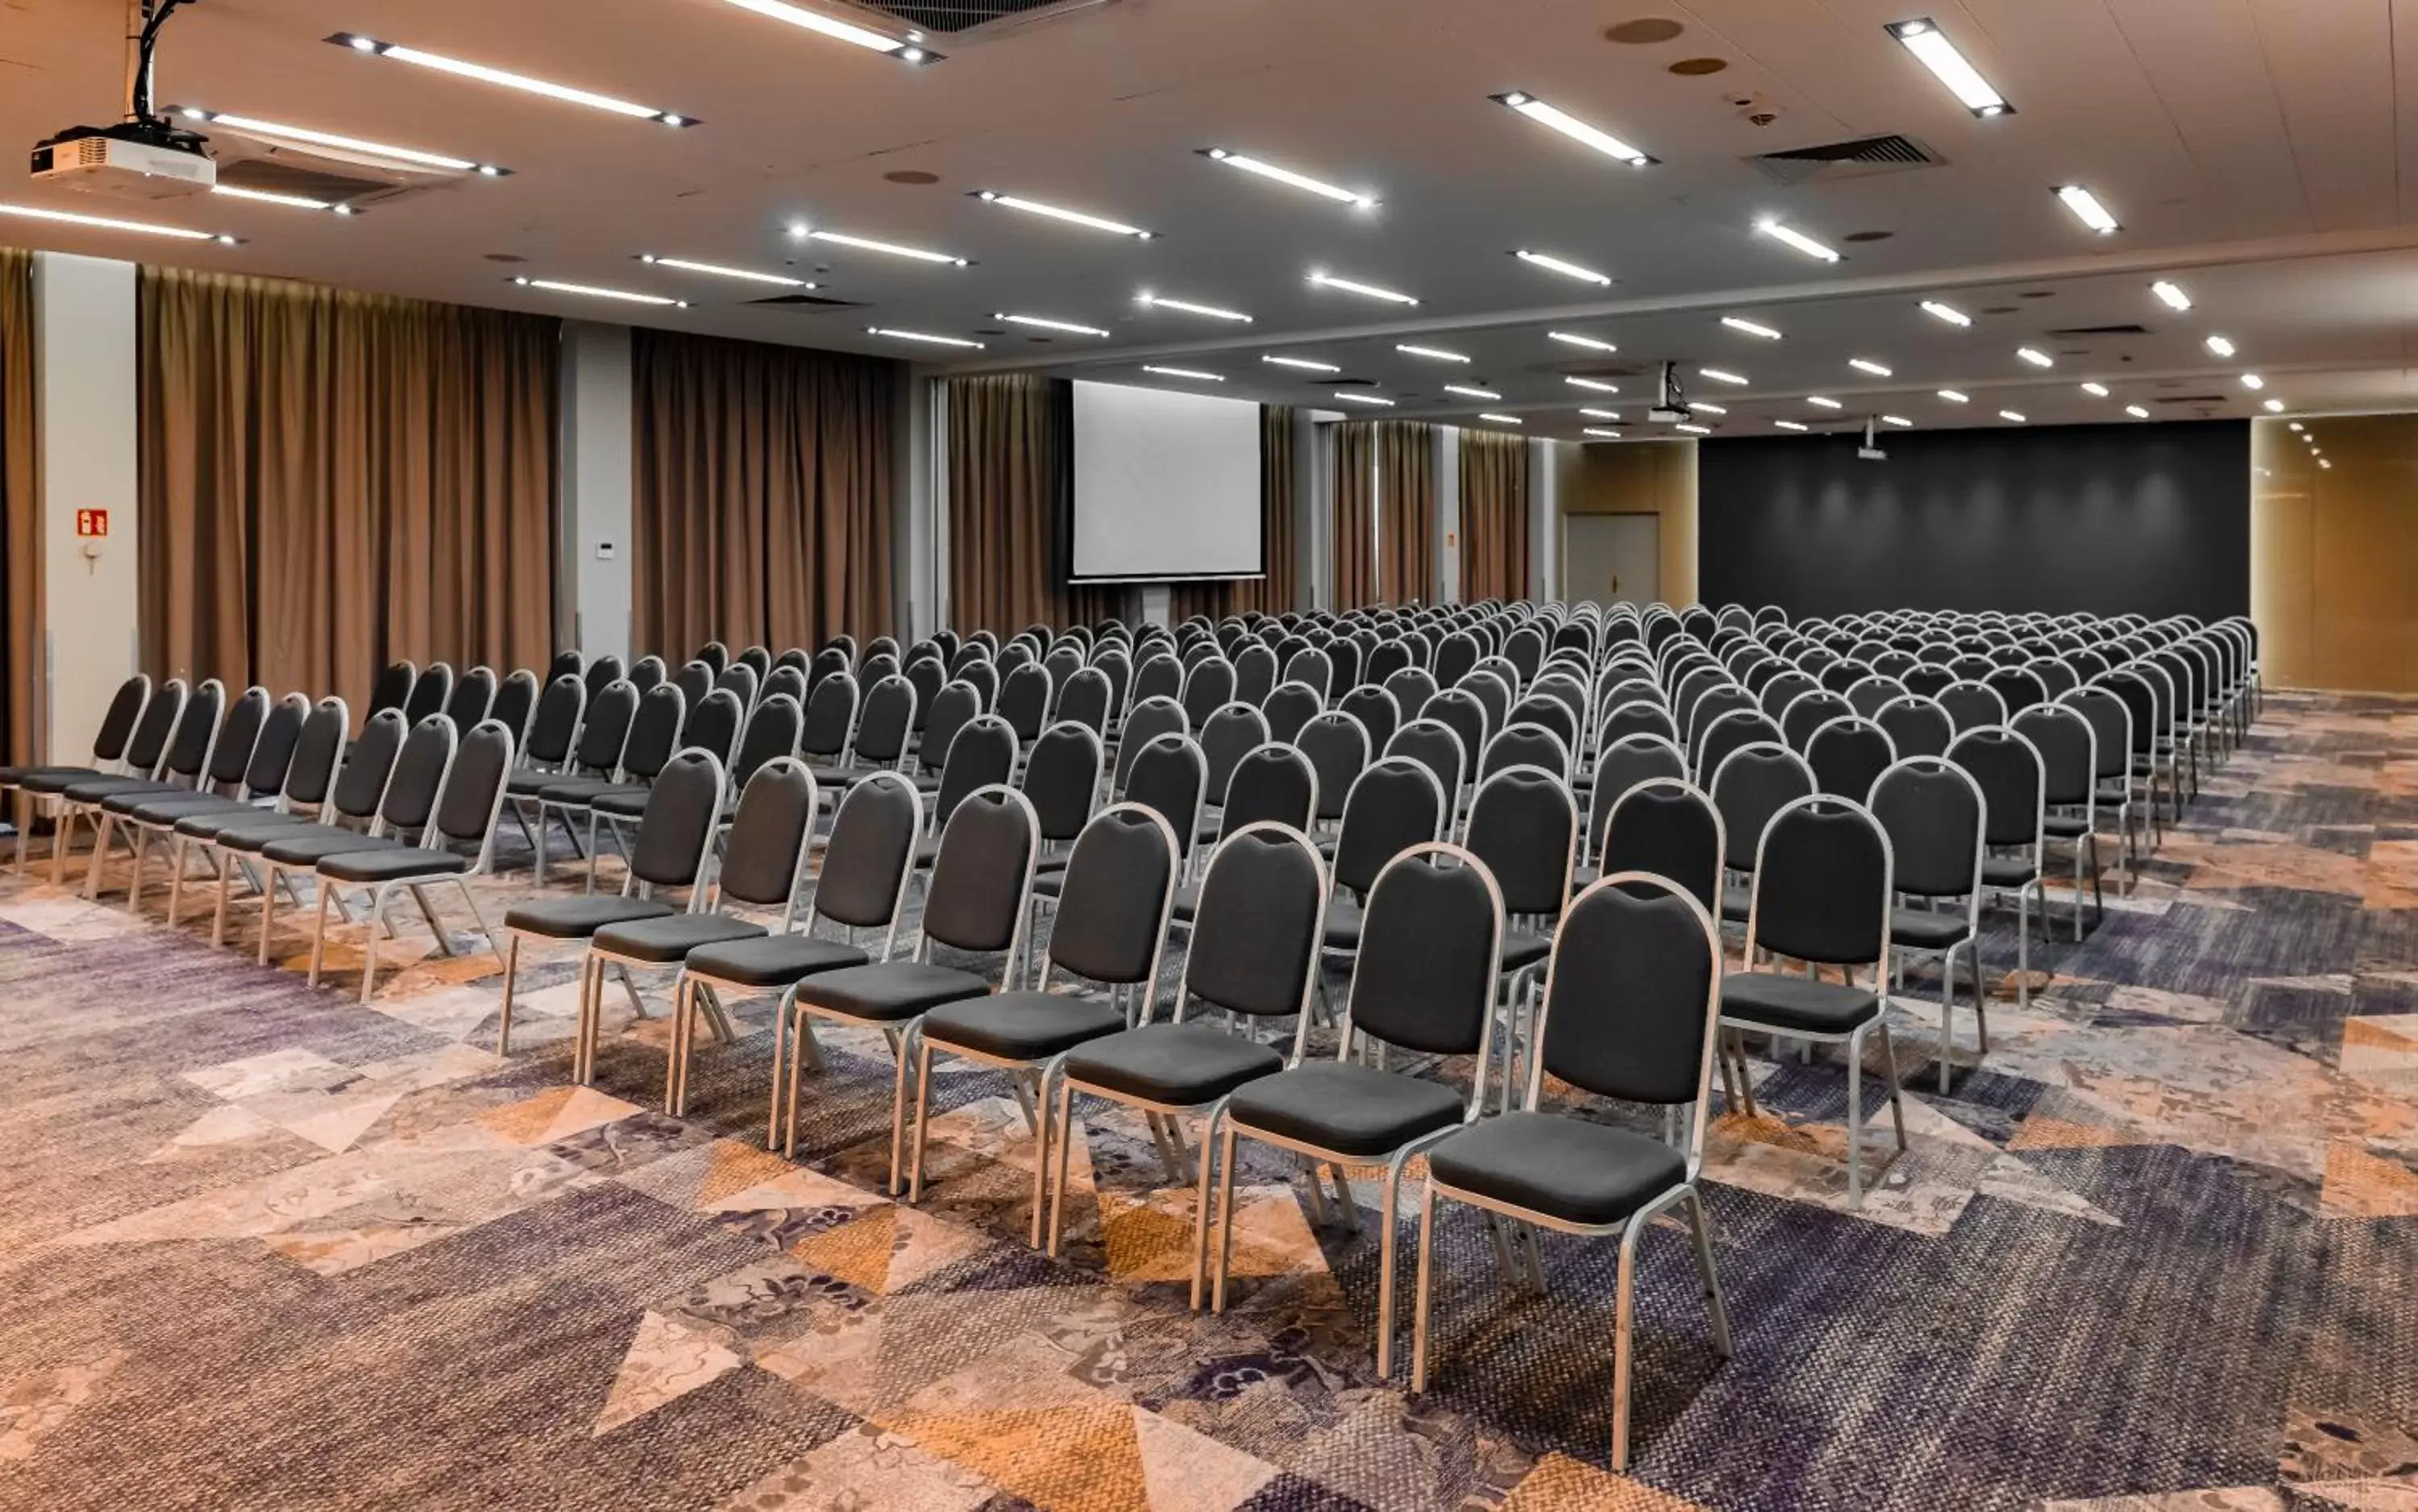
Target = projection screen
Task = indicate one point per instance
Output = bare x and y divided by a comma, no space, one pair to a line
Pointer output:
1166,485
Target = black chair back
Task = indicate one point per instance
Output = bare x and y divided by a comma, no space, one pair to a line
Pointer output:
1933,812
1431,949
1822,885
1257,929
766,858
1061,779
1752,785
1338,747
1847,755
1917,725
870,853
1670,829
1113,908
773,730
1390,807
1632,994
1525,826
983,755
984,872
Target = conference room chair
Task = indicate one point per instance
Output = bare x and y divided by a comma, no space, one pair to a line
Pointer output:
1227,735
1289,707
953,707
1823,894
653,734
2017,688
713,653
1525,825
1312,667
1460,711
395,680
1393,806
1630,1008
268,759
1110,932
1708,708
1526,745
1525,649
109,758
1424,985
220,776
310,764
1928,680
2111,739
976,905
1146,722
1635,758
430,693
1642,714
1343,657
1751,785
1064,660
474,694
2068,753
830,662
2148,696
1087,697
1668,827
1253,957
797,657
827,722
1547,712
1337,746
1490,682
928,676
1255,671
2014,786
787,680
1868,696
1208,686
1158,676
983,755
1935,817
884,725
1845,673
872,669
1060,777
180,769
695,680
1847,755
1784,689
1916,725
1808,713
1376,711
1732,731
602,719
515,707
1432,743
1973,704
355,798
462,818
983,678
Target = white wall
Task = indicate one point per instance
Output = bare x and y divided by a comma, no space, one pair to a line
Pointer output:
1446,587
1544,521
596,459
85,387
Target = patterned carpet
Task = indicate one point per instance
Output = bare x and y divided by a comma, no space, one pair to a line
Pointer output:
262,1247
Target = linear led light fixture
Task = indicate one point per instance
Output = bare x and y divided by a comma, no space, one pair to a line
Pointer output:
1953,397
1789,237
1060,212
1328,281
1751,328
1286,175
2036,357
1209,312
1601,414
1597,385
2087,209
596,291
1305,364
1599,431
1569,338
1823,401
894,249
1948,312
1571,127
1898,420
1045,323
925,336
1792,425
297,202
2096,390
1724,375
718,270
903,49
1504,420
2219,346
1865,364
1694,430
1469,390
1184,373
2011,416
103,222
256,127
2273,407
1568,270
1701,407
2253,381
2171,295
1350,398
1931,48
522,81
1433,354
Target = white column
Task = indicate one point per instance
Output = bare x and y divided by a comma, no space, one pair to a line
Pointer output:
1319,530
596,470
928,547
1157,605
1308,469
1544,520
84,389
1447,589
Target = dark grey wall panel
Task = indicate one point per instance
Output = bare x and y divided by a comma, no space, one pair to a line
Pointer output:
2153,518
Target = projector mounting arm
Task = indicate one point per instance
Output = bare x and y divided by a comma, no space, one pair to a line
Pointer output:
147,42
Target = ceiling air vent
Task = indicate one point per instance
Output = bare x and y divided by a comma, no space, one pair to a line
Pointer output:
950,17
2075,332
2192,399
810,303
1859,159
312,181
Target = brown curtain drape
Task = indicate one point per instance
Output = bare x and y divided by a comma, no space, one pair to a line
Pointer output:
21,516
760,497
332,480
1494,516
1354,548
1407,503
1279,511
1010,448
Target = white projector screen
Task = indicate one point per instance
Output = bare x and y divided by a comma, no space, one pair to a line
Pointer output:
1166,485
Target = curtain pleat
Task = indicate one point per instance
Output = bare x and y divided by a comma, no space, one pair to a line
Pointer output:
21,518
1280,510
1010,451
1406,483
1494,516
332,480
761,499
1355,552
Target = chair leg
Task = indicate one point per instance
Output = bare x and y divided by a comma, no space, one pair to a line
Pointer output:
1422,1287
101,827
1066,1121
1041,1148
378,901
512,974
2023,947
902,1048
780,1053
1855,1120
677,1049
1701,1224
1208,1163
138,841
1622,1330
923,1117
318,936
1386,1244
1225,1214
226,880
1888,1060
267,908
1947,1015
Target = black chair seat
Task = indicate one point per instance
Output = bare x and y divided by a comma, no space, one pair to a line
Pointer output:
2008,871
208,824
1522,950
1737,901
527,783
579,918
576,790
663,941
1176,1065
56,780
97,790
1584,1174
1927,928
317,845
1049,884
387,865
625,801
12,776
2065,826
253,838
891,990
773,961
1021,1026
1342,924
1351,1109
128,800
1771,1001
164,811
850,776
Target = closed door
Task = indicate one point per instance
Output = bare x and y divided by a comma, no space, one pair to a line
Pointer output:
1612,558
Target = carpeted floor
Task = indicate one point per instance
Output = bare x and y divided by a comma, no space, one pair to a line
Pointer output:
263,1247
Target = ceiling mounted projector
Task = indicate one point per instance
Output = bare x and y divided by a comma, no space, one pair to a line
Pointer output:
143,156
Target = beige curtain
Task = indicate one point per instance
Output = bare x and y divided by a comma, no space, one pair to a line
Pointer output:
21,516
1010,442
761,493
1355,552
332,480
1494,516
1406,495
1279,511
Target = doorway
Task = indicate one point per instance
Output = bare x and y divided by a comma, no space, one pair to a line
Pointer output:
1612,558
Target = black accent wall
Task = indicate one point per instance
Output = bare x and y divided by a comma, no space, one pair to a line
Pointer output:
2150,518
